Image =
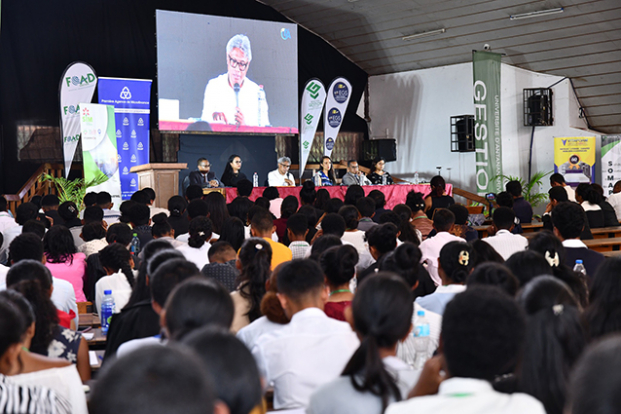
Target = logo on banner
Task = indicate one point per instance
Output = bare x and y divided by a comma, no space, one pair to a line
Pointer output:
140,122
125,93
119,134
334,118
306,144
125,121
340,92
118,158
140,146
133,135
330,144
308,118
285,34
313,90
125,146
72,139
71,110
125,171
133,158
80,81
132,183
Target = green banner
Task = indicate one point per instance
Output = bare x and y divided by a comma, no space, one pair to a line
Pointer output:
487,131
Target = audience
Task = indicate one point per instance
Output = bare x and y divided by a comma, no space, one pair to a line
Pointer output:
494,274
178,220
198,245
262,225
297,230
221,266
366,208
590,201
443,222
94,236
118,263
416,203
603,314
503,241
339,267
63,259
382,239
522,208
438,198
233,232
407,231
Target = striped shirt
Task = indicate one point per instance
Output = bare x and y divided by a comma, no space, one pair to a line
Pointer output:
20,399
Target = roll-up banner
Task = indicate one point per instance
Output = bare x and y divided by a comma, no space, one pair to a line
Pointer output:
611,162
487,133
313,98
99,149
131,101
77,84
337,100
574,158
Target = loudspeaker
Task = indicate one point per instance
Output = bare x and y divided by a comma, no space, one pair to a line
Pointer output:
538,107
373,148
462,133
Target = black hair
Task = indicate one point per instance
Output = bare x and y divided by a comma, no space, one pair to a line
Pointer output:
558,193
374,163
13,323
555,341
262,220
288,207
36,200
298,278
350,214
366,206
177,206
90,198
228,170
139,214
504,218
379,197
382,237
403,261
93,213
156,380
407,231
330,173
244,187
415,201
195,303
339,264
334,224
557,178
514,188
168,275
262,202
25,212
588,193
483,331
322,244
200,232
50,200
494,274
239,208
26,246
485,253
119,233
457,260
298,224
35,227
311,214
216,206
438,185
382,311
322,198
504,199
271,193
308,192
219,247
230,365
443,219
124,208
528,264
390,217
93,231
255,256
160,227
141,197
150,192
3,203
58,245
603,315
334,205
197,208
569,218
141,291
353,194
159,257
194,192
233,231
461,214
33,280
103,198
116,257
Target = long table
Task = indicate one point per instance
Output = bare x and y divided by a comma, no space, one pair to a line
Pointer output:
395,194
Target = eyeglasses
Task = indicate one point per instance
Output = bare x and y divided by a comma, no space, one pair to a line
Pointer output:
205,165
286,165
237,64
237,162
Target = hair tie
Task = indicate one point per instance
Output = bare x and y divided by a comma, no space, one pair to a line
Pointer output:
464,258
553,261
258,246
557,309
201,233
71,208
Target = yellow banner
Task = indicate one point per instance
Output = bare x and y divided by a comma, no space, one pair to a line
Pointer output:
574,158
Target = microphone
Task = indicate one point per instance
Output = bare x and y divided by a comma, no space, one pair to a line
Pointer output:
236,89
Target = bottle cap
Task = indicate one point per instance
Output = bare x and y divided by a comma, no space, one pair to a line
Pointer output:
107,292
135,234
421,313
579,261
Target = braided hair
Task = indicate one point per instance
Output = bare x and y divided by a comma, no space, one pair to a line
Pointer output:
116,257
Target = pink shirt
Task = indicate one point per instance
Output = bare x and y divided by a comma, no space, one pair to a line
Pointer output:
72,272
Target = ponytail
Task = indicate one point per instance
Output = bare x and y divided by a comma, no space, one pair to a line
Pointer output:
117,257
200,231
256,258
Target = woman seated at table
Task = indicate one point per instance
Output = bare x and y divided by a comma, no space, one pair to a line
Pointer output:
377,172
232,172
438,197
326,172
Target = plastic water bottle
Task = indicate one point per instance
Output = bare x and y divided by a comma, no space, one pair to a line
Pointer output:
421,340
317,179
107,309
261,116
416,178
579,267
134,246
255,180
384,179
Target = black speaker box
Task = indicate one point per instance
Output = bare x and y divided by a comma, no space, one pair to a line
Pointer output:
386,148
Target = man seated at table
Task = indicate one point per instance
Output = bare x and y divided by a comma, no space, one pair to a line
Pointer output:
204,177
354,175
281,177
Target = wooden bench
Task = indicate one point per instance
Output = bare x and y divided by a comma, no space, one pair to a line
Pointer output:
604,245
606,232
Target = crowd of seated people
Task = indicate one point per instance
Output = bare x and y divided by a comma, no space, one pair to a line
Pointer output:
329,306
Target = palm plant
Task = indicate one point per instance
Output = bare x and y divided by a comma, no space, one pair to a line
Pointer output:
530,189
72,190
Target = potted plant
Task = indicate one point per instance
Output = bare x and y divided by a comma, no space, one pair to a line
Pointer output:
72,190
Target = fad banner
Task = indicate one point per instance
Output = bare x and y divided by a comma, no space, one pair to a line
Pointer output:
337,100
99,149
487,132
611,162
574,158
131,101
313,98
77,84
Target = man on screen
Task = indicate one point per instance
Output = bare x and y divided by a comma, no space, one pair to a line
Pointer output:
232,98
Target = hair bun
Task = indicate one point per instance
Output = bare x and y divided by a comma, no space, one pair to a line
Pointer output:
159,218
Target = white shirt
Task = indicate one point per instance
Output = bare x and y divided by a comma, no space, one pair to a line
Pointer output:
299,249
250,333
220,97
571,193
356,239
134,344
430,250
6,221
406,350
248,235
468,396
436,302
194,255
276,179
308,352
111,216
615,201
63,297
93,246
574,243
77,240
9,235
506,243
120,287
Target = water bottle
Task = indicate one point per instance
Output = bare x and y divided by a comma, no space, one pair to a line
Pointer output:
416,178
255,180
317,179
134,246
421,340
579,267
384,179
261,116
107,309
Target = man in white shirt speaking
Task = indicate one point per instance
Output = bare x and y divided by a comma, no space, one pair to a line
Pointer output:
504,242
232,98
312,349
281,177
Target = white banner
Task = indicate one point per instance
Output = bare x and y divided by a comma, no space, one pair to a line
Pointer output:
611,162
77,84
313,98
339,93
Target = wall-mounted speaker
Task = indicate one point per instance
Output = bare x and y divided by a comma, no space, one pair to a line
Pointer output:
462,133
538,107
373,148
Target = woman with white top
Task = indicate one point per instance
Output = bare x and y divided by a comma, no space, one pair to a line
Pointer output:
381,315
590,201
118,262
198,246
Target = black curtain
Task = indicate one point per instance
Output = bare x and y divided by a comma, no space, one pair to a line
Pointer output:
39,39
